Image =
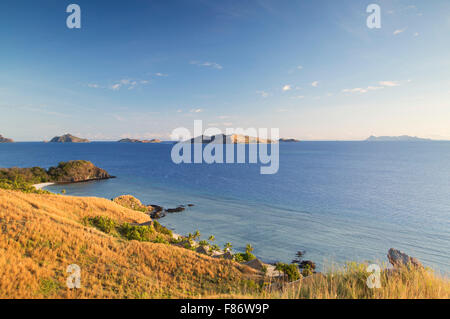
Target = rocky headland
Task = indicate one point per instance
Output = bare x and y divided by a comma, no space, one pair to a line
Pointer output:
5,140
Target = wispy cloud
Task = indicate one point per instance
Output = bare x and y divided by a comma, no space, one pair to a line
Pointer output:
213,65
161,74
196,110
315,84
389,83
398,31
117,85
382,85
263,94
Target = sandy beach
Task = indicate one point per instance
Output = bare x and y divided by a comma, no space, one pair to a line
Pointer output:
42,185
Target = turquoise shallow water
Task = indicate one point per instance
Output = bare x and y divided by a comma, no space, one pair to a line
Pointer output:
337,200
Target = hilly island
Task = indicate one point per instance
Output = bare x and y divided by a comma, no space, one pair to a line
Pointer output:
68,138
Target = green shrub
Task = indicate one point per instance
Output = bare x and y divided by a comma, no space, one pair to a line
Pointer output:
105,224
139,233
19,185
161,229
291,271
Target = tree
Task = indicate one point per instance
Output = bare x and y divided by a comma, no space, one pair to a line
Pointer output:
228,247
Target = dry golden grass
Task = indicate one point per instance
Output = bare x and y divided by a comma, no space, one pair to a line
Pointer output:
42,234
349,282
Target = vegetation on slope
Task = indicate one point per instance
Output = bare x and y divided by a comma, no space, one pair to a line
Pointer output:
43,234
65,172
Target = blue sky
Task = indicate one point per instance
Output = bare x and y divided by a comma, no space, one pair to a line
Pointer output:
142,68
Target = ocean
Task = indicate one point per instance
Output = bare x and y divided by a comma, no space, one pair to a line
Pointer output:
338,201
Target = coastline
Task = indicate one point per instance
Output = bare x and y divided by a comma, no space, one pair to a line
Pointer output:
42,185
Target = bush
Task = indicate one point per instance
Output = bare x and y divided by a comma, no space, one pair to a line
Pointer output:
105,224
20,185
161,229
139,233
291,271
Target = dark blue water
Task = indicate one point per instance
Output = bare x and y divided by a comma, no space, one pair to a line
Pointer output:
338,201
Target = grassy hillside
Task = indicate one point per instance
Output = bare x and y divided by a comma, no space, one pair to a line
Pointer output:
41,234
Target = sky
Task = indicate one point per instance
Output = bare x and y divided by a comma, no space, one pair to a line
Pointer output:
141,68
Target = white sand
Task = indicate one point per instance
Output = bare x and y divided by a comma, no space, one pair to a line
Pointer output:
42,185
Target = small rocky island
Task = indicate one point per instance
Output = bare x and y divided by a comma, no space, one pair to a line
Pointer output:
288,140
5,140
133,140
403,138
68,138
65,172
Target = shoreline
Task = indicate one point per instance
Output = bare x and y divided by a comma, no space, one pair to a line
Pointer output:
42,185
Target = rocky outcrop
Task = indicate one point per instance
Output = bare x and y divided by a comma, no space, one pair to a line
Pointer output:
399,259
76,171
178,209
132,202
68,138
132,140
255,264
5,140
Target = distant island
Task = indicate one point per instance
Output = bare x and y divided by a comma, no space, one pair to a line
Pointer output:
288,140
230,139
68,138
132,140
5,140
403,138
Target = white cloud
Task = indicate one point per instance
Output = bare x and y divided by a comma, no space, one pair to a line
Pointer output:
299,67
196,110
389,83
416,34
287,88
161,74
263,94
213,65
397,32
382,85
93,85
115,87
315,84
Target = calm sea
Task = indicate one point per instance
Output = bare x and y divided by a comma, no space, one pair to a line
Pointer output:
339,201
